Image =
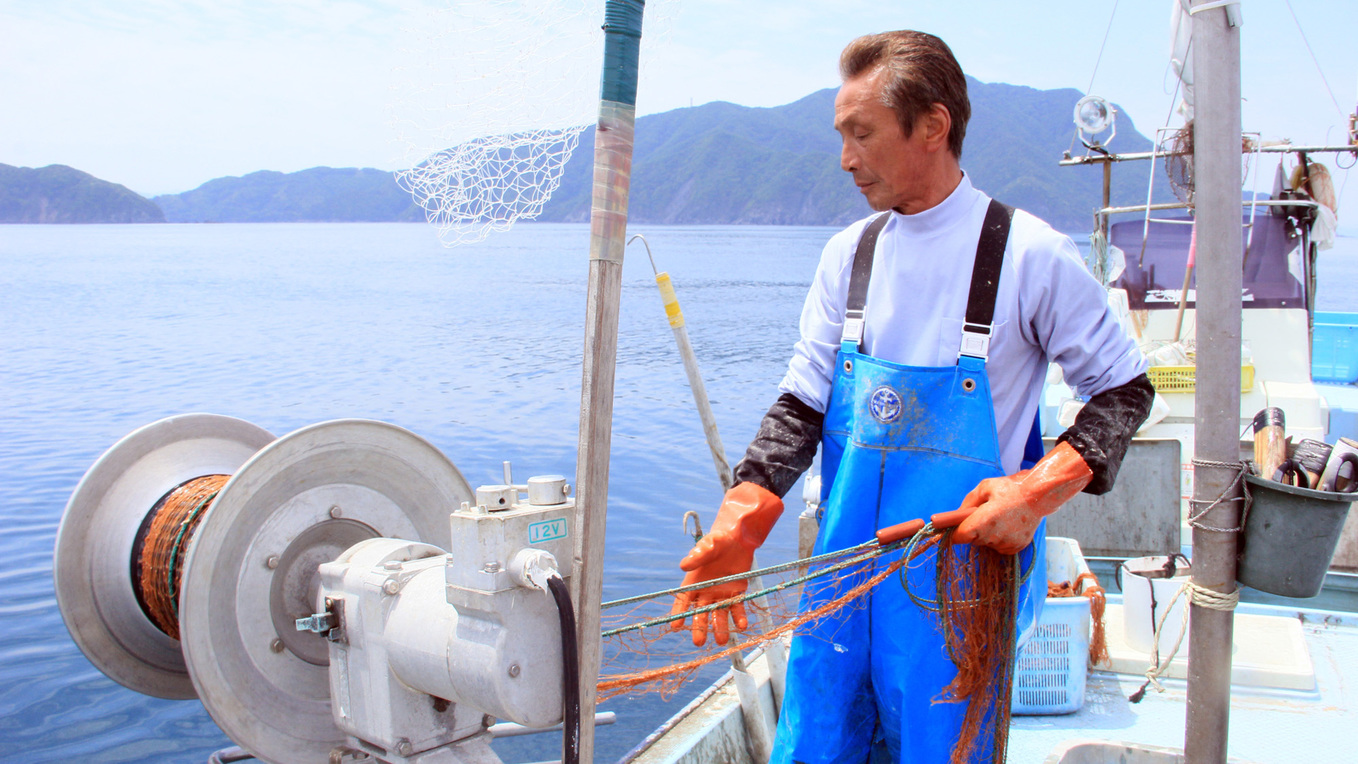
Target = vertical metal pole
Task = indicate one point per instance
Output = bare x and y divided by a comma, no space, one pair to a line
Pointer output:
1216,171
608,232
1107,195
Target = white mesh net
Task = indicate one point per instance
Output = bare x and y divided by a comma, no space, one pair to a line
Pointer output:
494,97
486,184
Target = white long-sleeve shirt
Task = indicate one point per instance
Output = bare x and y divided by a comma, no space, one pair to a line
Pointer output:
1049,308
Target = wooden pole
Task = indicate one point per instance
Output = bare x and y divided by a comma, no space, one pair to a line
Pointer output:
1216,177
608,232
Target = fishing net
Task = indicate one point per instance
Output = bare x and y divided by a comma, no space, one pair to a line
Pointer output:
1178,151
643,652
162,545
486,184
491,101
1098,600
976,601
1179,162
496,94
977,605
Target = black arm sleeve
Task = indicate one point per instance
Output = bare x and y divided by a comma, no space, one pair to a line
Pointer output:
1103,429
784,446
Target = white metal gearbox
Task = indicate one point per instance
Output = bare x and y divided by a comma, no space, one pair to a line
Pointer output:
426,643
362,591
507,620
485,540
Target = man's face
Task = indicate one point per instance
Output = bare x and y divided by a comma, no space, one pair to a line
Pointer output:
887,166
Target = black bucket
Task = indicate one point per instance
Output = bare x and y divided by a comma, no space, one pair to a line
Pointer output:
1290,537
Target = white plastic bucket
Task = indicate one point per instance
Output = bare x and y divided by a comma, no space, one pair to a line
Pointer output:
1146,594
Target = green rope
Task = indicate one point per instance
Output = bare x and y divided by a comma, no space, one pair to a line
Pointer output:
873,550
178,541
932,605
904,573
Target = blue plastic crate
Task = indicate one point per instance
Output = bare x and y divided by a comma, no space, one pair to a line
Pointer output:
1051,669
1334,348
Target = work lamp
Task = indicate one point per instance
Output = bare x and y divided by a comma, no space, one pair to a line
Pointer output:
1094,115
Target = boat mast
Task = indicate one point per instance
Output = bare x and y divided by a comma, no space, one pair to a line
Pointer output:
607,239
1216,166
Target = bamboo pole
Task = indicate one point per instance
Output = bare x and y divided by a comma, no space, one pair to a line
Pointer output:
608,231
1216,164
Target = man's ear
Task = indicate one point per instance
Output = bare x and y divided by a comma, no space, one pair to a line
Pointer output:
936,123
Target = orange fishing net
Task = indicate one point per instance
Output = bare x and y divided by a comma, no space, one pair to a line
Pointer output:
163,543
1098,642
976,599
978,611
642,653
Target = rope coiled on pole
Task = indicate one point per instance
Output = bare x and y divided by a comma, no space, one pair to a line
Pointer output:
1201,507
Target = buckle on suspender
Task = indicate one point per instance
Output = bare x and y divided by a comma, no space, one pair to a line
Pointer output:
975,341
853,327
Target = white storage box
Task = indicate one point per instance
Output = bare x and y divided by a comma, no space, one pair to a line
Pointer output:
1050,672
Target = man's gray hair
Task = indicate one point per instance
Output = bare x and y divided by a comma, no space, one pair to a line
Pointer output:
920,71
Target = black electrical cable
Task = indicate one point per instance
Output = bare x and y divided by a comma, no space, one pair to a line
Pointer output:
570,672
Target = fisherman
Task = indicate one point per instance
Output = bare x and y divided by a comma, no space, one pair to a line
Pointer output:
911,316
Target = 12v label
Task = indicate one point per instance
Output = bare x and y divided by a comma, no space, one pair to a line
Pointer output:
547,530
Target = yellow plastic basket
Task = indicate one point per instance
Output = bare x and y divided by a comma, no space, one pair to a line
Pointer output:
1183,379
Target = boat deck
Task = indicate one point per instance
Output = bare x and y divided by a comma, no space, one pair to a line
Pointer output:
1268,725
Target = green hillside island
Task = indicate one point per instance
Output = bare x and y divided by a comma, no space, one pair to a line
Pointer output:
718,163
321,194
723,163
60,194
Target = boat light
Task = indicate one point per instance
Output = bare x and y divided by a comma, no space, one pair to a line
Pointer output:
1093,115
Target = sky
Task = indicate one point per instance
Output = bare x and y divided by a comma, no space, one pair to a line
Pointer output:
163,95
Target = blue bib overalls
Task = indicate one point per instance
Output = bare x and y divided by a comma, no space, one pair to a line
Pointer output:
900,443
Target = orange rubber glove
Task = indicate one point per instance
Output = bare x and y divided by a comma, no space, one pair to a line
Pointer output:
747,514
1002,513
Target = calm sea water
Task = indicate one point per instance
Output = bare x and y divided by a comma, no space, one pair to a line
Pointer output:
106,328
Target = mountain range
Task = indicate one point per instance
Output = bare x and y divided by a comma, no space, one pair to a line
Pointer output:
60,194
723,163
718,163
336,195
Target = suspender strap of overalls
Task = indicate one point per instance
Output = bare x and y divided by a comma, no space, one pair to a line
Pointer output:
985,281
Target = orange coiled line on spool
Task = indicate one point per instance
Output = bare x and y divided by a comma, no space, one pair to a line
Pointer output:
163,543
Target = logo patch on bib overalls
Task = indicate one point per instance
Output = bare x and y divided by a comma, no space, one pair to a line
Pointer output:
885,405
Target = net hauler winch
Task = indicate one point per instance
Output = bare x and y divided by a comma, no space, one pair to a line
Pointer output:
337,594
